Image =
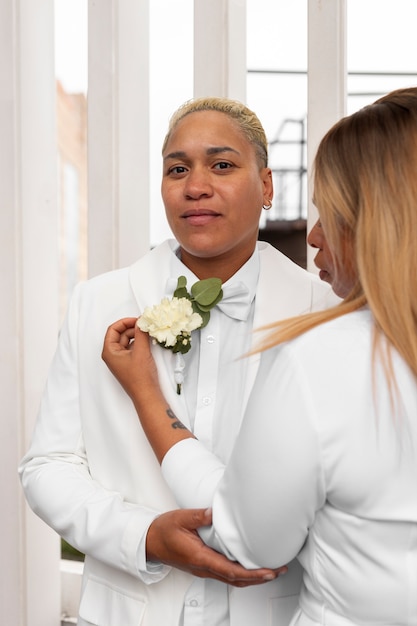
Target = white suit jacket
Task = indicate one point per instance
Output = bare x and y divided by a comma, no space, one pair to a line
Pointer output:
90,472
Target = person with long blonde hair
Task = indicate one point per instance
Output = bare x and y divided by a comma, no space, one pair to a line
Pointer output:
325,465
365,187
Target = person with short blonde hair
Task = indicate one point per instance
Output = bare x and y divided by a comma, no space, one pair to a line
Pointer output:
90,472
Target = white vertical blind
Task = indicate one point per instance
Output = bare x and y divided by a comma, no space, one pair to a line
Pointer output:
220,48
29,590
118,133
326,80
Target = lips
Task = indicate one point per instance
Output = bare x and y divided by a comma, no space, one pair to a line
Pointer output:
200,217
325,276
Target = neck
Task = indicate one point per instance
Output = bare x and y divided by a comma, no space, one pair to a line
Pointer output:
223,267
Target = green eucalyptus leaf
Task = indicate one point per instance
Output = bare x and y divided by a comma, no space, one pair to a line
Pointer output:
181,292
181,282
208,307
207,292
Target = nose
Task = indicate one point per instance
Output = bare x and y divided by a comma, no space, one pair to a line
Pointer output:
315,236
198,184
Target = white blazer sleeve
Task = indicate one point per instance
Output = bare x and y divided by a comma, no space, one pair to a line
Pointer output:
266,499
274,483
192,473
56,477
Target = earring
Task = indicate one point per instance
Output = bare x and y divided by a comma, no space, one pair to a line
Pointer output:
267,206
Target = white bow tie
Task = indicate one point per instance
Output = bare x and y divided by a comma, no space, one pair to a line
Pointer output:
236,299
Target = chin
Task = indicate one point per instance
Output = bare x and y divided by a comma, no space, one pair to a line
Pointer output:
201,246
341,291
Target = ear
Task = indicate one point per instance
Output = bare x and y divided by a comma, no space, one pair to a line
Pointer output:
266,176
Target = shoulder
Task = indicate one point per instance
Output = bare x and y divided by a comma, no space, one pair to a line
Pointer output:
295,289
272,259
159,254
321,366
118,281
346,338
113,281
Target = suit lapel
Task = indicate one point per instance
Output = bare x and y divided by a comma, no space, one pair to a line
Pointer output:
149,274
284,290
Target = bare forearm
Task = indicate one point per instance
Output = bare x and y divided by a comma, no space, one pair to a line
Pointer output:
161,426
127,355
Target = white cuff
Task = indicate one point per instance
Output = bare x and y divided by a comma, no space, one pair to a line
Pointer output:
192,473
149,571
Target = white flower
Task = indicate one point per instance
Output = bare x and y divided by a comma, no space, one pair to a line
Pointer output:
170,322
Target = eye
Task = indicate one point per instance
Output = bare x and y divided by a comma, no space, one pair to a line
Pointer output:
177,170
222,165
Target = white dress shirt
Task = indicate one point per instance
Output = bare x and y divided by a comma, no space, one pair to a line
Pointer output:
213,389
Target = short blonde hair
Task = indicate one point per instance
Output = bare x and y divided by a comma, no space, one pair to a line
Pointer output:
246,119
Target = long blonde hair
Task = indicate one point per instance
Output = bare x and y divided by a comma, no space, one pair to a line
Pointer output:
365,187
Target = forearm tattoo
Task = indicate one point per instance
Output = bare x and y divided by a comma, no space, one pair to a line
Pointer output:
176,422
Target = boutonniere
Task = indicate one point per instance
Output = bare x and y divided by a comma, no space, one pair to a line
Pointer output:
171,322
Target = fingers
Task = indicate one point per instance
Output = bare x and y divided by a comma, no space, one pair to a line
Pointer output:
119,334
172,539
141,336
195,518
215,565
126,337
115,330
122,325
211,564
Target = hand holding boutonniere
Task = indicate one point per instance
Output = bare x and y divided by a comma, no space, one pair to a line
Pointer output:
171,322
